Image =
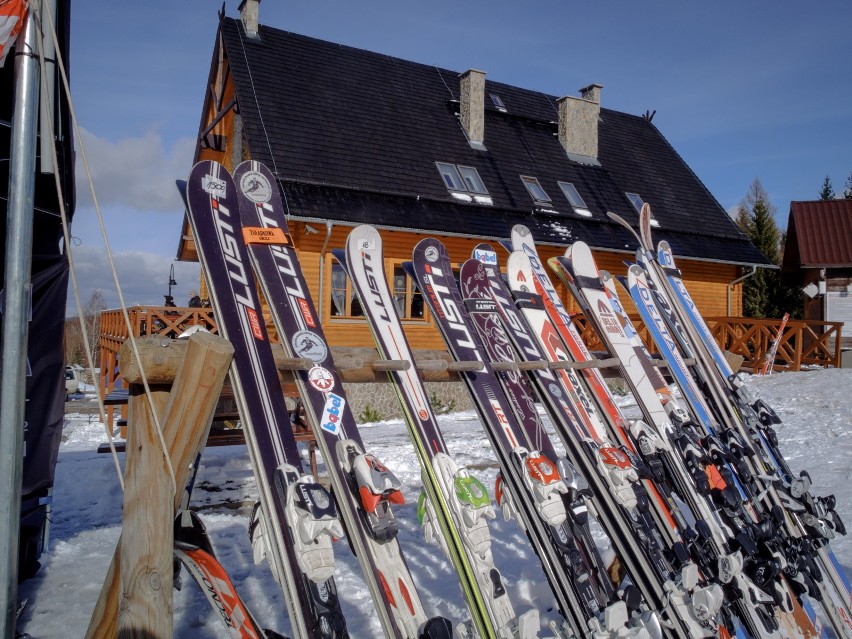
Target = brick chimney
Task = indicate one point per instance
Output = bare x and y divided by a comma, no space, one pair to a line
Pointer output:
472,88
249,12
578,124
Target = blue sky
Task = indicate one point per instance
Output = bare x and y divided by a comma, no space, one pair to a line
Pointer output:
742,90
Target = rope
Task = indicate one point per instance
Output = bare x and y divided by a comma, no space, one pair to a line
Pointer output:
449,90
61,66
263,125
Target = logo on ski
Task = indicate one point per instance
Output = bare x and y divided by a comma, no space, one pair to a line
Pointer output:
320,379
486,257
614,457
254,322
331,413
306,312
310,345
609,321
431,254
256,187
213,186
481,306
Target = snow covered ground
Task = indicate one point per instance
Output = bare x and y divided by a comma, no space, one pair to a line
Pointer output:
86,520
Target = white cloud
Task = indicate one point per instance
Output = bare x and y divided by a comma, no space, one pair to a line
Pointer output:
136,172
144,277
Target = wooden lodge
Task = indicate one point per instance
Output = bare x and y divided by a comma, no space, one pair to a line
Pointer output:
358,137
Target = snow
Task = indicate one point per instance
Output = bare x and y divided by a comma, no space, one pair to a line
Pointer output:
86,519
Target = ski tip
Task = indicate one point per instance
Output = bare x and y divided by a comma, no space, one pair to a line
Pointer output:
340,256
181,187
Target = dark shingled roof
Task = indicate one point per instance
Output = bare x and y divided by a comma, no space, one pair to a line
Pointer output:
354,135
819,235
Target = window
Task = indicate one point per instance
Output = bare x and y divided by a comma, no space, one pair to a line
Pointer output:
472,180
498,102
538,194
344,303
406,296
450,174
577,202
464,183
637,203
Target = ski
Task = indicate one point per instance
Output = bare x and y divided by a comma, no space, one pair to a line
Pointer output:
194,551
810,557
769,364
591,580
694,474
296,514
362,486
530,486
650,560
455,506
739,410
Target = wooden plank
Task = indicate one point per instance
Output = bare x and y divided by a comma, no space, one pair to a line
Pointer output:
187,413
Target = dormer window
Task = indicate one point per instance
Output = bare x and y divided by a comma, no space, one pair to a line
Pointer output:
576,201
464,183
534,188
637,203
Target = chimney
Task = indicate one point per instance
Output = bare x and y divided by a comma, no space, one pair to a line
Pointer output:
249,11
472,87
578,124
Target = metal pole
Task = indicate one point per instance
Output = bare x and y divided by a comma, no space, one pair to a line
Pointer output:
48,98
17,287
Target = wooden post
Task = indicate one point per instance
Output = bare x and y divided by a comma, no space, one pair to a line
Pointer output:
797,355
185,421
147,540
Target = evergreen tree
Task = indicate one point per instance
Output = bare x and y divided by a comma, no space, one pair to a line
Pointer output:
764,295
847,190
827,191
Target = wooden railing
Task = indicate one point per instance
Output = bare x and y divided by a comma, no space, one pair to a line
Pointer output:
168,321
804,342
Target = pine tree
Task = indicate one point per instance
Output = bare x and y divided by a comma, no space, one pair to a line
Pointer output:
827,191
847,190
764,295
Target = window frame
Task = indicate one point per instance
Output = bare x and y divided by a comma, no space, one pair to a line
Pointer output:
462,168
448,169
630,196
529,180
569,191
349,299
411,290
